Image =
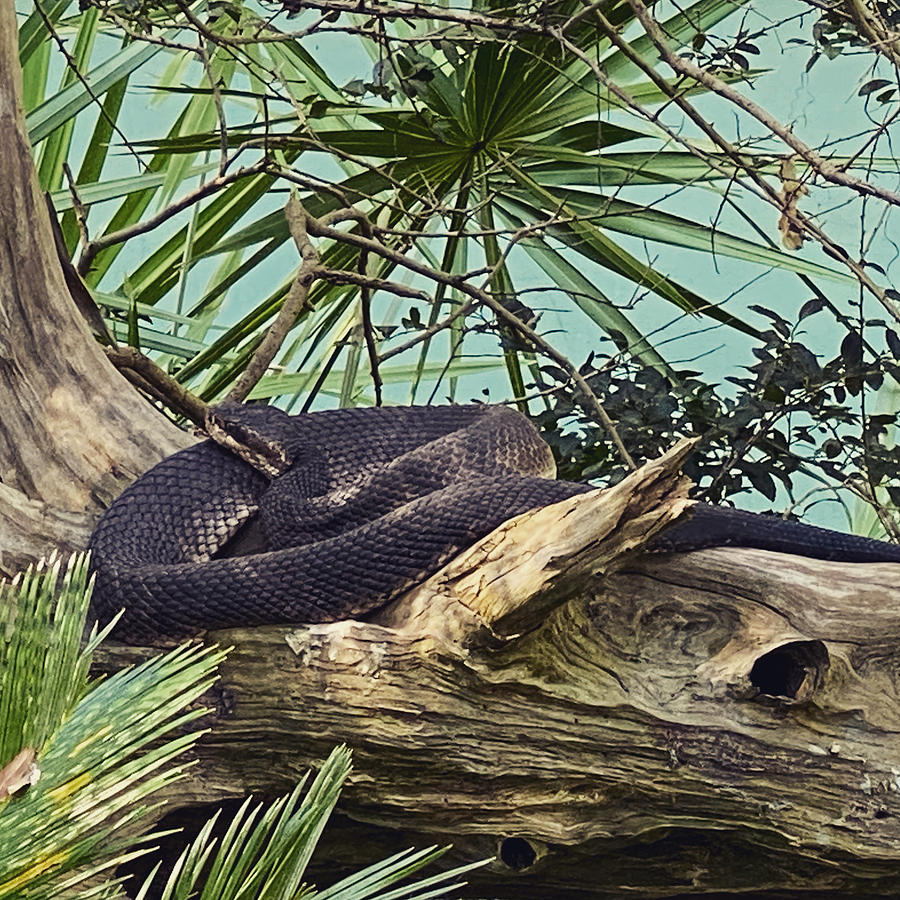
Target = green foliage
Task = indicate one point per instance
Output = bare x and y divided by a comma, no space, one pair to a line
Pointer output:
791,416
548,170
474,136
99,750
80,760
264,852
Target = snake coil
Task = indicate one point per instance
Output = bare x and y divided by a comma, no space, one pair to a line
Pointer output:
374,501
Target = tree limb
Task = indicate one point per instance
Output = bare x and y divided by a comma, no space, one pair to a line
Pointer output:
295,301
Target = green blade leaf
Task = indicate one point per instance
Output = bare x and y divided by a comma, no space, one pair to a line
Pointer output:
97,748
67,103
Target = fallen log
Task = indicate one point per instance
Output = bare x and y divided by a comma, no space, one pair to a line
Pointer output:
602,721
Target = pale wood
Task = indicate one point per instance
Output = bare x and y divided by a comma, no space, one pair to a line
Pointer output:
554,687
73,432
31,529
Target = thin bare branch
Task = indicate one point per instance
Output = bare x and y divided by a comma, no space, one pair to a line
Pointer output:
90,251
294,303
342,276
822,166
588,398
460,312
130,361
763,189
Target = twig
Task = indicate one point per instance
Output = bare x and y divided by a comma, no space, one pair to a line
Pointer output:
818,163
588,399
259,37
221,121
165,387
762,187
77,206
437,12
265,454
462,310
90,251
342,276
365,305
294,302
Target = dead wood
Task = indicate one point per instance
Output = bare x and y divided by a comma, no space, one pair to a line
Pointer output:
73,432
600,720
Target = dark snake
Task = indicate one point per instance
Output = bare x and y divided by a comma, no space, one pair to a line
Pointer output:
373,502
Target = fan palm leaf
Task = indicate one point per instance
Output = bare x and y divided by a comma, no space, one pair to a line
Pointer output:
525,128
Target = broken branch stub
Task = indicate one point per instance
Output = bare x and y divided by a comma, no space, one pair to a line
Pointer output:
507,582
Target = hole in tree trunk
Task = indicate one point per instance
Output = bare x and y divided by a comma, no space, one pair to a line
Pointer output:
792,670
517,853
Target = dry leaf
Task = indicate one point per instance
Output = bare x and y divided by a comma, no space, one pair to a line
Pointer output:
791,190
20,772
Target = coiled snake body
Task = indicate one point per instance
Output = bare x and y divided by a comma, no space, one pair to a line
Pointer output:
374,501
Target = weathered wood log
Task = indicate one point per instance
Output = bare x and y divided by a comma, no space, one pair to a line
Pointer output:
73,432
603,722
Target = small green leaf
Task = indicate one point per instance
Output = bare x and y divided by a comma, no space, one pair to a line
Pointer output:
134,339
876,84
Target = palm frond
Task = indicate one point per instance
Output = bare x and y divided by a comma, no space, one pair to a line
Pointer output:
265,850
96,751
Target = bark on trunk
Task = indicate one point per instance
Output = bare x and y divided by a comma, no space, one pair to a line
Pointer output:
73,432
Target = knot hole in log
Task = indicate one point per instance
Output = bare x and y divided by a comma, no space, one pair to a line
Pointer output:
517,853
795,670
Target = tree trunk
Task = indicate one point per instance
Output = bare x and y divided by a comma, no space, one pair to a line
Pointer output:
602,721
73,432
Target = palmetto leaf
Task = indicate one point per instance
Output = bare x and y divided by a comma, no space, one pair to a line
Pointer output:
278,385
67,103
656,225
264,851
99,748
79,759
33,34
55,149
526,127
372,881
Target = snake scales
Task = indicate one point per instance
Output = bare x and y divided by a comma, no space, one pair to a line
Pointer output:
373,501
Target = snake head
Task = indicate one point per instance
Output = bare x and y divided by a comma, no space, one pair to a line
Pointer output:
258,434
